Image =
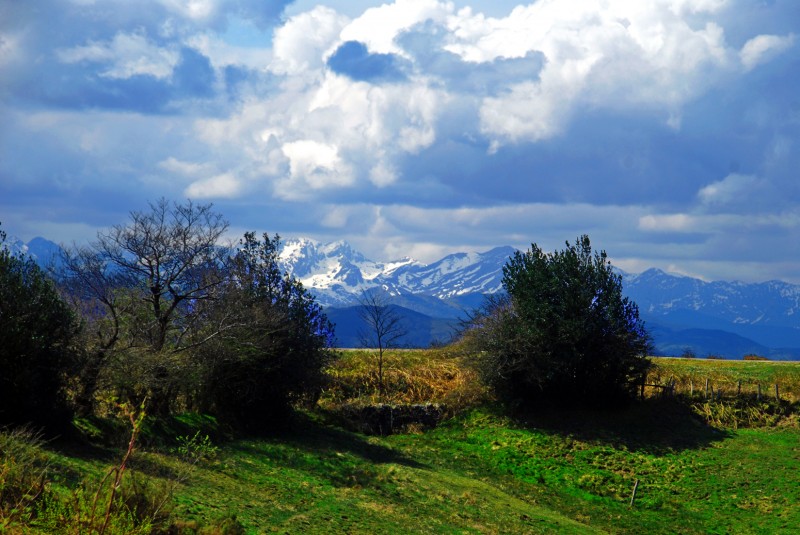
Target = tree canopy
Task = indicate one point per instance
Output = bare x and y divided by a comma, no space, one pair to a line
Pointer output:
563,333
185,321
37,330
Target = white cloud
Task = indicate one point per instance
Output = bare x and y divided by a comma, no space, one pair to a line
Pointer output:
196,10
330,134
612,54
733,187
382,174
670,223
129,54
300,45
718,224
378,27
762,48
222,54
10,48
314,165
224,186
336,217
189,169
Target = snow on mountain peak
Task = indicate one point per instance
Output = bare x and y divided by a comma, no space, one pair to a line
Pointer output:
337,273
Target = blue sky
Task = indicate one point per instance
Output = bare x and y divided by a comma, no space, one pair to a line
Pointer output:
667,130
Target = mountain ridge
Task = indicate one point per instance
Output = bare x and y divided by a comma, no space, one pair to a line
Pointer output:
684,312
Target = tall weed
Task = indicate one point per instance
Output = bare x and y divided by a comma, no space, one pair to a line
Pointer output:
23,472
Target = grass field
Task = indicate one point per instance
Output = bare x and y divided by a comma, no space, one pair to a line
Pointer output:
730,376
479,471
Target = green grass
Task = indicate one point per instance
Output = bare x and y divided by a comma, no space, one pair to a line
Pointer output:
479,472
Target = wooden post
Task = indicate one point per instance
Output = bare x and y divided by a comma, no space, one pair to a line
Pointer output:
758,396
691,388
633,495
739,388
706,387
777,394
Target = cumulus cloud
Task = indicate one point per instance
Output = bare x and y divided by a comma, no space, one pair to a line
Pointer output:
302,43
763,47
432,127
378,27
312,165
642,54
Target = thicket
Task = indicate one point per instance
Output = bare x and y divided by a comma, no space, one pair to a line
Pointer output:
275,351
37,352
562,333
168,315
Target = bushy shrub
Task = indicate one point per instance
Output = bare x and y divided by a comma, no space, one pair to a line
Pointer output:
37,328
275,356
563,333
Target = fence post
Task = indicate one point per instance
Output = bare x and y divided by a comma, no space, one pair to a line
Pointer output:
777,394
691,388
706,387
633,495
758,396
739,388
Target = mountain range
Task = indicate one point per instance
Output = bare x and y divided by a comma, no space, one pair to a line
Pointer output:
726,319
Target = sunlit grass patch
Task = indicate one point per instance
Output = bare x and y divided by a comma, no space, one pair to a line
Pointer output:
410,377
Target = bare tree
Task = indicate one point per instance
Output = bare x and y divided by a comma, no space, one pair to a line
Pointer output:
144,285
169,256
384,325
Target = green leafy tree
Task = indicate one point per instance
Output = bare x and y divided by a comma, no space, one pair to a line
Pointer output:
563,334
37,331
282,341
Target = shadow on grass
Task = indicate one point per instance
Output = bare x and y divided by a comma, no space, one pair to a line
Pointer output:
655,425
313,446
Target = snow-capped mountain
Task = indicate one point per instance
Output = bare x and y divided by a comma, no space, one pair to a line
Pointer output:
724,318
337,274
44,252
767,313
766,303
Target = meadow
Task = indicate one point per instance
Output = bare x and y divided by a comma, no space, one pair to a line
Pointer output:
478,471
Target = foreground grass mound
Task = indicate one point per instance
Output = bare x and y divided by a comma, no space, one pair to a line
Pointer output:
478,472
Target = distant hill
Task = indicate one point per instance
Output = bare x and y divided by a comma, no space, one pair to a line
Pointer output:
423,330
722,318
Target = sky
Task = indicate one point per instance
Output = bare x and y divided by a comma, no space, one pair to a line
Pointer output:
666,130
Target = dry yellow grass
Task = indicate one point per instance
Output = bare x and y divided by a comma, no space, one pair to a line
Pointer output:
728,377
410,376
